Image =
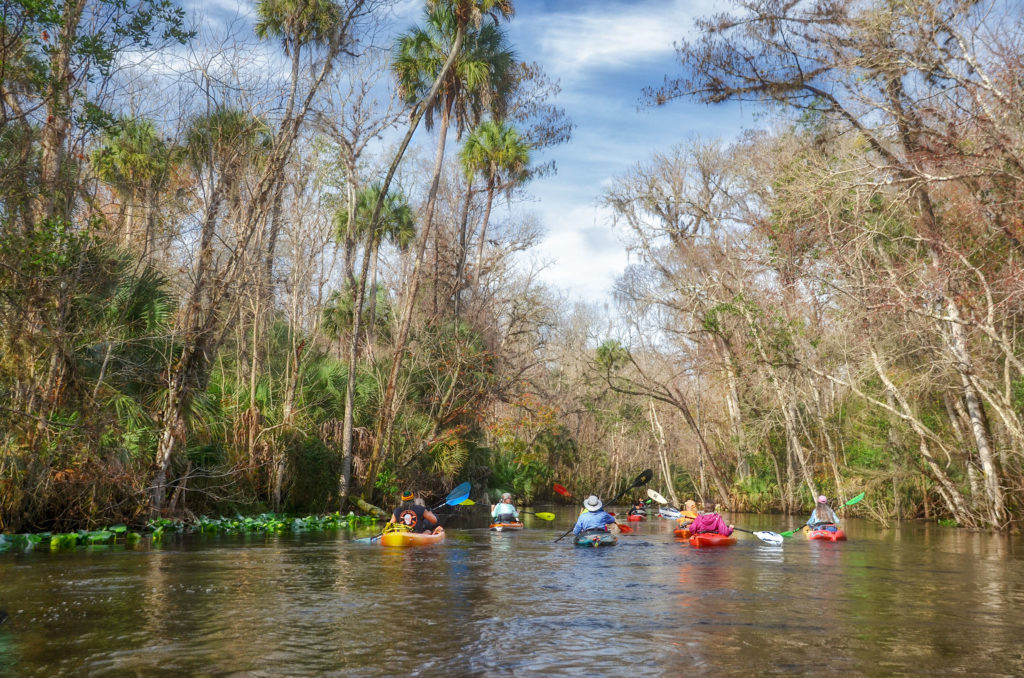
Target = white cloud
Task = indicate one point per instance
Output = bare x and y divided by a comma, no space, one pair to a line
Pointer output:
620,36
586,255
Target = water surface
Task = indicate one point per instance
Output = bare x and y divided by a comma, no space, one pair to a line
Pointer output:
917,600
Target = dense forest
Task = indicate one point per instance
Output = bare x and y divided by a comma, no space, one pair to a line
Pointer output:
270,265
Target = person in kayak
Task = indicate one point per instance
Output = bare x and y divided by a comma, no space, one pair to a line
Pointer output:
505,511
638,508
688,514
415,515
594,517
822,516
709,521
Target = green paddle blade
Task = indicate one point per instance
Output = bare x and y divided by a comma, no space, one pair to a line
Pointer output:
468,502
545,516
854,500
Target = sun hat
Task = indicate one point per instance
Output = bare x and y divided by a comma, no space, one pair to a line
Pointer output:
592,503
408,495
822,499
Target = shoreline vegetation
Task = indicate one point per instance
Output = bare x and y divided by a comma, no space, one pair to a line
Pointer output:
222,294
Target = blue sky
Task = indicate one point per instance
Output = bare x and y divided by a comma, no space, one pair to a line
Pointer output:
604,53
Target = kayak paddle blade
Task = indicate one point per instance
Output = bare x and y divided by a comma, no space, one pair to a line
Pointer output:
545,516
467,502
656,497
562,491
624,529
643,478
457,496
854,500
772,538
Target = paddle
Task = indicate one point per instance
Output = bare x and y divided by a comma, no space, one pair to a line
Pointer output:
641,479
543,515
790,533
656,497
467,502
454,498
562,491
773,538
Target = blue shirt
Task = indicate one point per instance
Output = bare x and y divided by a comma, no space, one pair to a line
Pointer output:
502,509
592,520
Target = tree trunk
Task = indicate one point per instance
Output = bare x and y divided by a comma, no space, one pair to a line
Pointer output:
386,419
346,476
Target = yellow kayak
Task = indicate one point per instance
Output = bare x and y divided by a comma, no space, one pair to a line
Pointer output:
403,538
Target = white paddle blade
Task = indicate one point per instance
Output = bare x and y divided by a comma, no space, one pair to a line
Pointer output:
772,538
656,497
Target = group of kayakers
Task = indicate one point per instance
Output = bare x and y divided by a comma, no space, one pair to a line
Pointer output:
416,517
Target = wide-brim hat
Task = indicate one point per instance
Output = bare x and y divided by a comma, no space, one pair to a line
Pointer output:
592,503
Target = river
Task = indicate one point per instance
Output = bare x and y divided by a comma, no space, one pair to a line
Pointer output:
912,600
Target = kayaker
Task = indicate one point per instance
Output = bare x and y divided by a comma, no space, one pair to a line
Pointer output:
638,508
709,521
688,514
505,511
822,515
415,515
594,517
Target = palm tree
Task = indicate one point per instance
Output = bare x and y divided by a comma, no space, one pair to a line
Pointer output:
455,66
496,151
137,164
396,224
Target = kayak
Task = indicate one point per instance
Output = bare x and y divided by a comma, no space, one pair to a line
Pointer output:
411,538
711,539
830,533
681,533
669,513
635,516
601,538
498,527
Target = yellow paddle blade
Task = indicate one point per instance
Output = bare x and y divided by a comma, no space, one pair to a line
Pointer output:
467,502
545,516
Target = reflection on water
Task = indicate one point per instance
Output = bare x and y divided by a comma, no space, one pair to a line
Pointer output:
916,600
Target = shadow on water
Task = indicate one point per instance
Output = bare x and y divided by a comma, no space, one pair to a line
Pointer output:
917,600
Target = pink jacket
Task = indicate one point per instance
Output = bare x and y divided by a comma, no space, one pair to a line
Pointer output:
709,522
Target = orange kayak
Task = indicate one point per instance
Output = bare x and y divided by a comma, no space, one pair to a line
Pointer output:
635,517
827,534
681,533
499,527
711,539
411,538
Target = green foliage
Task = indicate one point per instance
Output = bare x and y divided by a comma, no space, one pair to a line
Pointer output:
314,471
523,474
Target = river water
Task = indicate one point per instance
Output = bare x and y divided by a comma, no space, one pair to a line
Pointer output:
913,600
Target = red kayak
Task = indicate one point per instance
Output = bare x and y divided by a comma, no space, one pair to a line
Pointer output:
634,517
827,534
711,539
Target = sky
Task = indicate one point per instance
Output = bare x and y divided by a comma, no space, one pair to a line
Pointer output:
604,53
